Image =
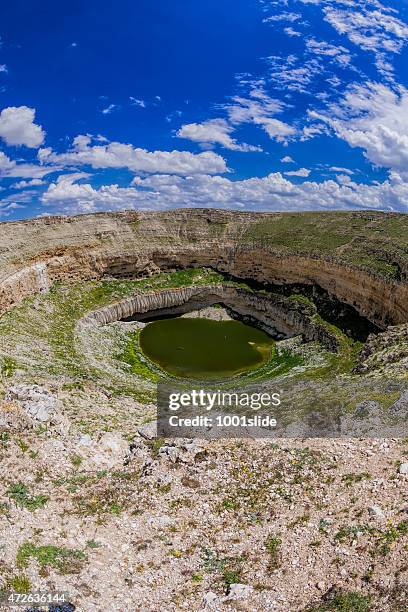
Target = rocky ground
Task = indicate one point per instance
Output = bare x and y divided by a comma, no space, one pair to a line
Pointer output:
149,524
93,504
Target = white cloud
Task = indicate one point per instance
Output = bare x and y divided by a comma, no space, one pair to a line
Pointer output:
272,192
109,109
6,164
7,207
259,108
119,155
334,81
371,29
99,138
3,68
17,127
304,172
367,24
338,53
277,129
316,129
374,117
173,115
30,171
287,160
84,198
343,179
284,16
343,170
9,168
24,184
291,32
16,201
253,109
293,73
214,131
137,102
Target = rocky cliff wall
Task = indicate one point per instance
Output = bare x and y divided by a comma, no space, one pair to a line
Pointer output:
34,254
278,315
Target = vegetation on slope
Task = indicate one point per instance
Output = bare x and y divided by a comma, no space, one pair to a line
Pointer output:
372,240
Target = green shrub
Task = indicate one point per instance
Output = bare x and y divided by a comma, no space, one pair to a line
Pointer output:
64,560
344,602
19,494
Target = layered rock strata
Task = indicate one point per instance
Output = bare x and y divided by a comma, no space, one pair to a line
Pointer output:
34,254
279,316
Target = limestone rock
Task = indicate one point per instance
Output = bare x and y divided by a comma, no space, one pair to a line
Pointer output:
37,402
240,591
400,407
148,431
210,600
111,450
403,468
376,512
82,241
13,417
172,452
85,440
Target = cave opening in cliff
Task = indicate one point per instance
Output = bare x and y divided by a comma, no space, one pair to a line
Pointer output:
328,307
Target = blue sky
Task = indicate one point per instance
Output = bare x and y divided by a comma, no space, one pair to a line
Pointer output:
243,104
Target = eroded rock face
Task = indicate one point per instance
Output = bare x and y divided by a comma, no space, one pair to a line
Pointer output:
34,254
389,347
278,315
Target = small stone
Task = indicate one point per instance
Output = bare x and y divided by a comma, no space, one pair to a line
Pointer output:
172,452
113,443
147,466
137,444
164,480
320,585
210,599
148,431
111,450
239,591
85,440
366,409
403,469
376,511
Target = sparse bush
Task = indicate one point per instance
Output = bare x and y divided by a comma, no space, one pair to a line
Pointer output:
273,546
64,560
19,494
19,584
343,602
8,367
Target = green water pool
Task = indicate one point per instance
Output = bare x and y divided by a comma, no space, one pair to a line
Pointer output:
202,348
